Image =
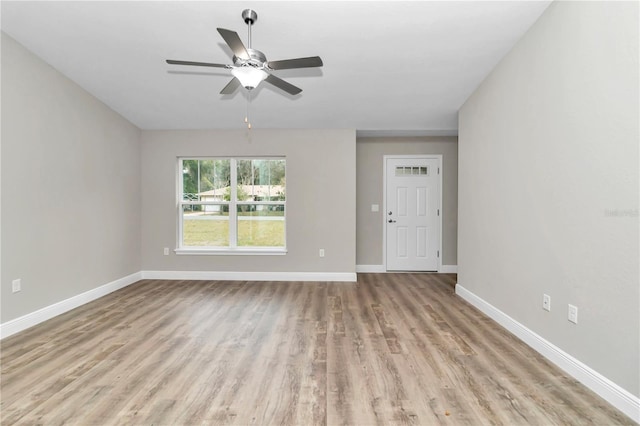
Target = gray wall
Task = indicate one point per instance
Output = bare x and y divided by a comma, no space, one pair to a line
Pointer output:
70,187
320,197
369,189
548,184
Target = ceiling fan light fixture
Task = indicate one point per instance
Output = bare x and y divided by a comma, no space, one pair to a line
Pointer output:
249,77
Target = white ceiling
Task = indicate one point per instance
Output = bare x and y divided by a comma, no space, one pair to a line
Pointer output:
389,67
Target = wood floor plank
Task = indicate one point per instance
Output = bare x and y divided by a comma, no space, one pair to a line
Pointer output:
390,349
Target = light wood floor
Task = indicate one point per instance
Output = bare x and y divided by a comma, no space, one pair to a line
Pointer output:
389,349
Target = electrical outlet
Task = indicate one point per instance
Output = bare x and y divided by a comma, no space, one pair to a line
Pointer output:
573,314
166,251
546,302
16,285
321,253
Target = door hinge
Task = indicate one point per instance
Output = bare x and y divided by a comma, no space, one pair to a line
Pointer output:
438,170
438,212
438,253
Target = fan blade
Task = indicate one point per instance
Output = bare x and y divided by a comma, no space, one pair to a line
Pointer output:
310,62
199,64
280,83
230,87
234,42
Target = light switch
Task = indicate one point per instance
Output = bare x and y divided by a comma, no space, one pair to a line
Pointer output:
375,207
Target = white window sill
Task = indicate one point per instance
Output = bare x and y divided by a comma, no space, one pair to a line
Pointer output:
230,251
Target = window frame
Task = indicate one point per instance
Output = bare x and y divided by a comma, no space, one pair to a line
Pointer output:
232,204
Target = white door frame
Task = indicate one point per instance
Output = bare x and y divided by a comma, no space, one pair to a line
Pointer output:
384,202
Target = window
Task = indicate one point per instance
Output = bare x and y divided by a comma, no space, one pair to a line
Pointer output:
411,171
231,205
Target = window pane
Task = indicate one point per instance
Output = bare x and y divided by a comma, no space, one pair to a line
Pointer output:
189,180
205,225
261,225
206,180
261,180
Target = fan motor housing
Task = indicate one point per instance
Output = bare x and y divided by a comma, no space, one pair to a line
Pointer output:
258,59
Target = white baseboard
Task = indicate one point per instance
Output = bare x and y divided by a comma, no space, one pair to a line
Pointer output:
26,321
448,269
444,269
370,268
249,276
620,398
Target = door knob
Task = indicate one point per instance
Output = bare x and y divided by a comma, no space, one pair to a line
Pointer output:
391,221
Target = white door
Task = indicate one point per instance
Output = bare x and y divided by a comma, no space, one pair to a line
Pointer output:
412,214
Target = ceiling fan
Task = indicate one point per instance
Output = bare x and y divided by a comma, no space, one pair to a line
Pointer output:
250,66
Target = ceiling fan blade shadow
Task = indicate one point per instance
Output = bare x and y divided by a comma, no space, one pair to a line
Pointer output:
299,73
233,41
310,62
211,74
230,87
198,64
281,84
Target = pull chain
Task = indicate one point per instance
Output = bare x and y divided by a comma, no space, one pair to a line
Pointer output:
246,118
